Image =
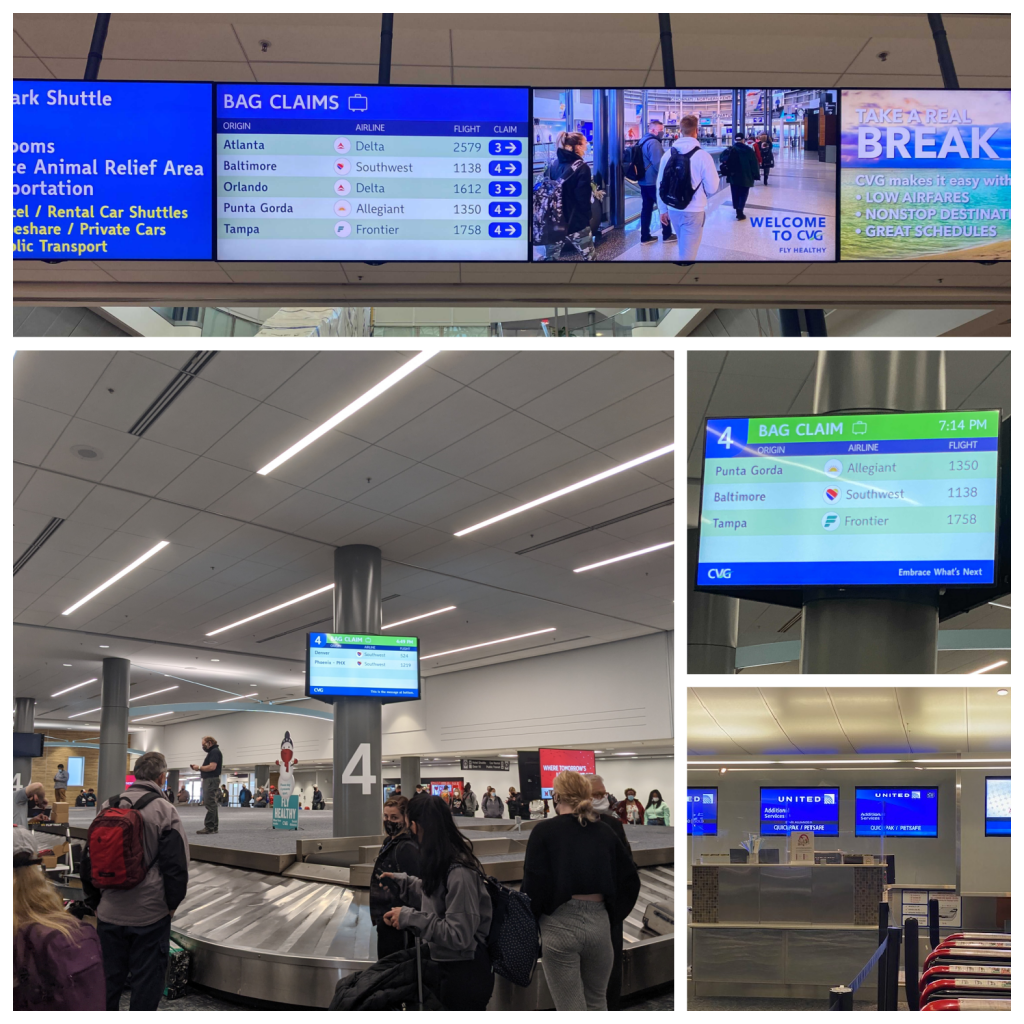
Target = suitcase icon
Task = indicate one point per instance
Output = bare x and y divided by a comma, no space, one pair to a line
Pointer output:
357,103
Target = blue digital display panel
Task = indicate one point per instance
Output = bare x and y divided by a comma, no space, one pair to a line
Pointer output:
113,170
899,811
363,172
997,805
788,810
702,811
359,665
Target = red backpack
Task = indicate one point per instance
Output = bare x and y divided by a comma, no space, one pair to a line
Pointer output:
117,857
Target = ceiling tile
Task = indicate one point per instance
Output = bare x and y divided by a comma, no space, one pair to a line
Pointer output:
203,482
36,430
200,416
148,467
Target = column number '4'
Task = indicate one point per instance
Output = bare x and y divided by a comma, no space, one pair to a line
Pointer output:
366,780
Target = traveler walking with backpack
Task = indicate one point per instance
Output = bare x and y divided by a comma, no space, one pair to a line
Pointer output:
58,963
739,164
447,906
135,874
470,804
210,771
398,852
245,796
580,880
686,178
642,166
765,154
561,202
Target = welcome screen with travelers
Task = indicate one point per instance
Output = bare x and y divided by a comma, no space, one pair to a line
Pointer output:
609,175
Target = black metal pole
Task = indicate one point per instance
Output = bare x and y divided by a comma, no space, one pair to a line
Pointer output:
949,79
668,60
883,931
99,40
387,32
933,923
910,957
892,970
789,320
815,323
841,995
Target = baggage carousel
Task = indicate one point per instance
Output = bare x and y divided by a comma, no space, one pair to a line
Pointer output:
283,916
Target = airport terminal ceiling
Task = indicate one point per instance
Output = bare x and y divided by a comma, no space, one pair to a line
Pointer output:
99,480
824,51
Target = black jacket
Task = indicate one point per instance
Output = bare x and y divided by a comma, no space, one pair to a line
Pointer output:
576,192
389,984
399,853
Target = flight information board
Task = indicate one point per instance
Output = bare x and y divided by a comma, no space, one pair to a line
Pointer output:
904,811
896,498
326,172
702,811
997,805
788,810
353,665
112,170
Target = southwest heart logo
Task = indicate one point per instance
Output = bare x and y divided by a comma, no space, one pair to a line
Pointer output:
359,663
831,494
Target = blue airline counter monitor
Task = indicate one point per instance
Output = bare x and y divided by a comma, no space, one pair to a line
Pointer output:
328,172
352,665
788,810
997,806
903,811
112,170
901,498
701,811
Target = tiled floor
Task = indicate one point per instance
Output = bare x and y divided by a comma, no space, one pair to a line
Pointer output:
756,1005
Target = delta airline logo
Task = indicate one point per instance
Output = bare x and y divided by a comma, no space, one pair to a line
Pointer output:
831,495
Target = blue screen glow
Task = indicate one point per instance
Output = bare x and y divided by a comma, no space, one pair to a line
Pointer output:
899,811
113,170
799,810
997,806
702,811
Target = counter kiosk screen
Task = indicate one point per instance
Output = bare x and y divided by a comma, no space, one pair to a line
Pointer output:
799,810
997,805
904,811
554,761
925,174
366,172
112,170
702,811
903,498
347,665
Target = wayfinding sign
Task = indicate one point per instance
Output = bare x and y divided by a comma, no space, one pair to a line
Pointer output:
112,170
329,172
895,498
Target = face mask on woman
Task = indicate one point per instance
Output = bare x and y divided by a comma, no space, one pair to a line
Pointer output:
393,827
601,803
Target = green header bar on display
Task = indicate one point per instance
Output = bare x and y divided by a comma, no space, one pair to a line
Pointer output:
875,427
371,641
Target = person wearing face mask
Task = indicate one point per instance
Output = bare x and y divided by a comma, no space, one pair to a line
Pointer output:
493,807
630,810
656,812
470,804
398,852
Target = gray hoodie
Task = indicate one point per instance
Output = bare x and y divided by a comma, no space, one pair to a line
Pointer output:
454,920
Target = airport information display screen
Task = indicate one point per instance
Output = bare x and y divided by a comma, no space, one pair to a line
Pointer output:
997,806
326,172
925,173
901,498
554,761
903,811
112,170
347,665
702,811
788,810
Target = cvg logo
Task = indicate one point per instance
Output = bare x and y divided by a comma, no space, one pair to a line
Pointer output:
719,574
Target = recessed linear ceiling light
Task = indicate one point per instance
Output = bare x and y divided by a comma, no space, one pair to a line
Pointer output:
374,392
632,554
1002,693
503,640
67,665
416,618
124,572
143,696
75,687
568,490
988,668
148,717
241,696
104,647
80,713
276,608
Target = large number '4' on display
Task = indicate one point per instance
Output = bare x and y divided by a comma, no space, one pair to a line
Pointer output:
367,780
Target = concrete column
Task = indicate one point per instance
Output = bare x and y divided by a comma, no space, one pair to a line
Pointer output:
712,623
357,731
263,775
173,781
113,727
410,776
874,630
24,721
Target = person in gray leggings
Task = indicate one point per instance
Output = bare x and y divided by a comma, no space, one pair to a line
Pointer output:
579,878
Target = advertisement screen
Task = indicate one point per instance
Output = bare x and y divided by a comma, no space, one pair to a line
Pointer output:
446,790
331,172
800,810
896,812
997,806
702,811
925,174
346,665
112,170
768,196
902,498
554,761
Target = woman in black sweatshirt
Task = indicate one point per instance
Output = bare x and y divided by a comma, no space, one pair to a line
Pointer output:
579,878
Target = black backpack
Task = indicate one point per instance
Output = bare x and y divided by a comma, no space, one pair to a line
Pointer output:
550,225
634,165
513,942
676,183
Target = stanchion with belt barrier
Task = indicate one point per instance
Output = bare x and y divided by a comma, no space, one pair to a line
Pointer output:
883,926
910,959
933,924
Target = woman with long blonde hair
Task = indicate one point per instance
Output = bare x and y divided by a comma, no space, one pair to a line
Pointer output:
579,878
58,963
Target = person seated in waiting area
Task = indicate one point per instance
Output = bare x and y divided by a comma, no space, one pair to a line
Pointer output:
261,797
80,800
183,795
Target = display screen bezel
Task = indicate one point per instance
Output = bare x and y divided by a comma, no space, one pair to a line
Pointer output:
893,835
995,835
331,698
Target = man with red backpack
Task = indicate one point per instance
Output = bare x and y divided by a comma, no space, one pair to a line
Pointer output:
135,874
